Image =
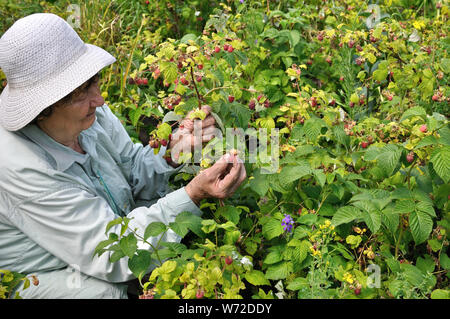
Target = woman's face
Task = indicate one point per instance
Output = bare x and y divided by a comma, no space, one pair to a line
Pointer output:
79,113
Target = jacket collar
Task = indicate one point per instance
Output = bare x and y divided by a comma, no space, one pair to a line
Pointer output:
64,156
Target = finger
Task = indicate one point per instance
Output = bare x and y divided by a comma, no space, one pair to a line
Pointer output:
208,121
220,167
207,138
232,177
209,133
189,124
207,109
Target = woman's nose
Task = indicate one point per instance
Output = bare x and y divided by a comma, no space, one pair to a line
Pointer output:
97,99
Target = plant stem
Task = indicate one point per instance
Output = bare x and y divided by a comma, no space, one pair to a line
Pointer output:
402,230
196,90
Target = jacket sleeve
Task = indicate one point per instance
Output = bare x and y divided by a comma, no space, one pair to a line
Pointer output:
70,222
150,172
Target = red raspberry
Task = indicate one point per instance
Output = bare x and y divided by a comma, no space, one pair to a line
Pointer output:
228,260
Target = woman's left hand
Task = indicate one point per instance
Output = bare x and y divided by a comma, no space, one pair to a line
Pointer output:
192,134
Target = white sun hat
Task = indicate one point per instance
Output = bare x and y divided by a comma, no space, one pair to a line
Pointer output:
44,60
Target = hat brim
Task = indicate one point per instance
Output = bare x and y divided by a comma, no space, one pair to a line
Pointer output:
19,106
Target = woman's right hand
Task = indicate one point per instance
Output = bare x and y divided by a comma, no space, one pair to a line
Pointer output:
219,181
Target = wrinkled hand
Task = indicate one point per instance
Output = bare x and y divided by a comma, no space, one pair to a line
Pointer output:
219,181
184,140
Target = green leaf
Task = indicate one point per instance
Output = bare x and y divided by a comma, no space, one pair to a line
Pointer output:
163,131
128,245
272,228
279,271
441,164
230,213
372,218
412,274
209,225
292,173
154,229
389,158
426,265
116,255
273,257
169,71
426,141
440,294
140,263
380,74
187,221
298,283
390,218
256,278
345,215
353,241
421,225
112,223
312,128
414,111
135,114
259,183
444,261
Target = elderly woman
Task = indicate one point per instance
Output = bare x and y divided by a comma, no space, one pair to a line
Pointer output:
68,166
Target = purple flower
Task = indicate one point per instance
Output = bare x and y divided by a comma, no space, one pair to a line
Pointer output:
287,223
241,1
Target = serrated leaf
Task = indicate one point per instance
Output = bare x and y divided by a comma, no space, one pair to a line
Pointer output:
259,183
140,263
440,294
390,218
279,271
441,164
426,141
290,174
273,257
187,221
230,213
345,215
128,245
163,131
154,229
169,71
372,218
421,225
389,158
298,283
312,128
272,229
414,111
256,278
